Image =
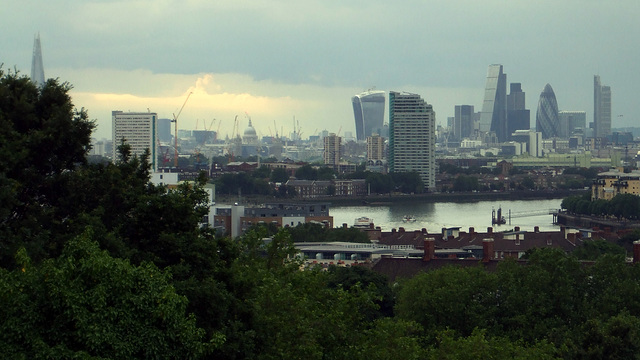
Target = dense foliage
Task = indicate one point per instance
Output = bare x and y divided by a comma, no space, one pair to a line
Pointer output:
98,263
625,206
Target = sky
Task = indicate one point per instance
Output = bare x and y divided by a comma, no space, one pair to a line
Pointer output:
281,62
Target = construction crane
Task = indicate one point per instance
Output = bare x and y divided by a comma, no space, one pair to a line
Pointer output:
175,120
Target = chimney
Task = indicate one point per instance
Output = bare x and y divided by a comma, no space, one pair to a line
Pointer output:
424,230
371,226
344,225
517,228
490,230
472,230
487,250
429,249
401,230
636,251
536,229
393,231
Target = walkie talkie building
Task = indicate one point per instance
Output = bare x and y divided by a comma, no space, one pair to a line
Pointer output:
368,110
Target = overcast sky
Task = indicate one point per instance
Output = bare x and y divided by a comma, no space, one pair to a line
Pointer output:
279,59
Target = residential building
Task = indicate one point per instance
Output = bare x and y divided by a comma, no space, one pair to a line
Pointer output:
37,69
236,219
368,111
601,108
614,182
547,121
412,136
331,153
494,107
518,117
375,147
139,130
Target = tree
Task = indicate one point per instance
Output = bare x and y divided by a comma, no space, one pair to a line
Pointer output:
279,175
42,140
306,172
90,305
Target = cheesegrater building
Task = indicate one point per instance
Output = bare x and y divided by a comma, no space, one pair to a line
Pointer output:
139,130
412,136
494,106
368,111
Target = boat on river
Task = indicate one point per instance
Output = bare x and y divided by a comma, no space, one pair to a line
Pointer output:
409,219
363,222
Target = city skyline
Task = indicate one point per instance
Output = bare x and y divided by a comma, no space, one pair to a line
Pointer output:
124,56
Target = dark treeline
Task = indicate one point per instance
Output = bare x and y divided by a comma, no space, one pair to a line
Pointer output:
97,263
625,206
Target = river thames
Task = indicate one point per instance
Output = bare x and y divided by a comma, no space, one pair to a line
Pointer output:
435,215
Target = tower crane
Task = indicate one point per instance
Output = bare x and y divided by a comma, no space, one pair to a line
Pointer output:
175,120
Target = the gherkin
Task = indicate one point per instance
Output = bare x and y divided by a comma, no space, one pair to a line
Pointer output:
547,120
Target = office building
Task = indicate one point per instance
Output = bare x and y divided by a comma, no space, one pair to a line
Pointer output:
37,69
601,108
494,106
368,110
412,136
533,139
518,117
547,121
139,130
463,121
331,153
164,130
572,122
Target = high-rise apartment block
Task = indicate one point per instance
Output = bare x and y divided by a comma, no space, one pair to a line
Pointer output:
37,69
368,110
518,117
494,107
331,153
412,136
601,108
547,121
375,147
463,121
139,130
571,121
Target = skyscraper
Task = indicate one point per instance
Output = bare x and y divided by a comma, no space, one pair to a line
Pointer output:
601,108
463,121
331,154
494,106
368,110
570,121
547,121
518,117
37,69
375,147
412,136
139,130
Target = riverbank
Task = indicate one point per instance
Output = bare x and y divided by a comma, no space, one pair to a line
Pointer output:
589,222
376,200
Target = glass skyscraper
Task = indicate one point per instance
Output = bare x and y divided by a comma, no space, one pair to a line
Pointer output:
368,110
547,121
601,108
412,136
37,69
518,118
494,106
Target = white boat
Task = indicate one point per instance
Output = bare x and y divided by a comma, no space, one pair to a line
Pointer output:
408,219
363,222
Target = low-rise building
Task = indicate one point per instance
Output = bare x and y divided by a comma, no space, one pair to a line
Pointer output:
613,182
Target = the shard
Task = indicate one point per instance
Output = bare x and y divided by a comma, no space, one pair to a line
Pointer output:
37,69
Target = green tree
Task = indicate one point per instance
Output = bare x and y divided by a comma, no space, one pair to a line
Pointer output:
279,175
306,172
42,140
593,249
87,304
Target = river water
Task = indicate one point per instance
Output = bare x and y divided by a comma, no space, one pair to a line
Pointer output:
434,216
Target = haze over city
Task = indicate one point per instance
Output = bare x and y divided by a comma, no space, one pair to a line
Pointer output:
278,60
